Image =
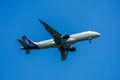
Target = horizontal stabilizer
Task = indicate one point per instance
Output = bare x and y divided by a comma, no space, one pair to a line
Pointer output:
24,44
27,51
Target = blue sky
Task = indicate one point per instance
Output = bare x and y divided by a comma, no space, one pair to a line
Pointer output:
97,61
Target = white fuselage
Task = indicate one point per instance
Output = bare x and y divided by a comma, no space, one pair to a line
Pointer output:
87,35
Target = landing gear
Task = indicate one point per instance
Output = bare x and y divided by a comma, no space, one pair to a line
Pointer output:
90,40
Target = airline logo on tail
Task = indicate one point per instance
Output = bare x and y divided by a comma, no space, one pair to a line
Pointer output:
28,41
27,44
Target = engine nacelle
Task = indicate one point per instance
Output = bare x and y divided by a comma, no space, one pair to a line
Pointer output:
72,49
66,36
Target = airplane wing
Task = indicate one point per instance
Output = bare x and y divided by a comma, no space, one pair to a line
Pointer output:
55,34
64,51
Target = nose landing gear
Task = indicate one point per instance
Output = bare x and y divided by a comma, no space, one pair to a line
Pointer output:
90,40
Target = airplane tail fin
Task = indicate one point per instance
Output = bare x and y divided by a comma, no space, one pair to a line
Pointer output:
27,44
28,41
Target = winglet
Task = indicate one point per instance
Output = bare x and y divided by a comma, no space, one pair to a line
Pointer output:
40,20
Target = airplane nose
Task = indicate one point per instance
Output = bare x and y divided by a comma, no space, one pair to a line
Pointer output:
98,34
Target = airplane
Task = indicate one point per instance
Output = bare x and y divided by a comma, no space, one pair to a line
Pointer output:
62,42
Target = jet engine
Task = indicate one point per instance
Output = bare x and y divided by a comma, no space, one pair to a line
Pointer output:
66,36
72,49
